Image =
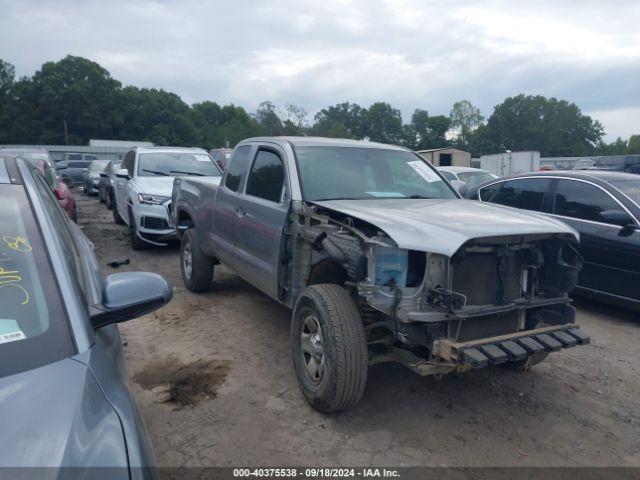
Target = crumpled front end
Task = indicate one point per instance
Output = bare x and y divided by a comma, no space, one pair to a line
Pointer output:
492,300
497,299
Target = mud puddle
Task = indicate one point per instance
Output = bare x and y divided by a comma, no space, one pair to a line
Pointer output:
185,385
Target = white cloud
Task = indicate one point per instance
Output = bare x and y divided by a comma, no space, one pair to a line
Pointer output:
622,122
411,53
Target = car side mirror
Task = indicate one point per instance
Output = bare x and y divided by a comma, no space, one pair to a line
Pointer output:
620,218
129,295
123,173
463,190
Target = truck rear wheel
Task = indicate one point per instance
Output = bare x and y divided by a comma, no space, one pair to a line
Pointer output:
196,267
329,348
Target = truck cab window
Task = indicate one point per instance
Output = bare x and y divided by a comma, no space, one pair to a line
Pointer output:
266,177
237,167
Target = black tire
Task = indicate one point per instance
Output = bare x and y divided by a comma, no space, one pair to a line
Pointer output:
527,363
343,344
108,200
199,276
136,242
116,216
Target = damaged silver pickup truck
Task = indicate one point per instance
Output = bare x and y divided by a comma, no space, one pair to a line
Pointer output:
380,261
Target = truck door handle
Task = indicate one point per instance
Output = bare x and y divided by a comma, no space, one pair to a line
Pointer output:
240,212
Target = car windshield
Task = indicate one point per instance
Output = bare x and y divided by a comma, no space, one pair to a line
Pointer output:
176,164
98,165
475,178
33,327
630,188
332,173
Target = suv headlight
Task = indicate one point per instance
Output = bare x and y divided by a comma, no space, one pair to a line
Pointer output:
146,199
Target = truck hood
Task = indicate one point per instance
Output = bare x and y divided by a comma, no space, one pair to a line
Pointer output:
158,185
443,226
57,415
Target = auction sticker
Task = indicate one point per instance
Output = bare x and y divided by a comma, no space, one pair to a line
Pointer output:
10,331
12,337
424,171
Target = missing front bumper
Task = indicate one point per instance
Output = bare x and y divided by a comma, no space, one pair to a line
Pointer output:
510,348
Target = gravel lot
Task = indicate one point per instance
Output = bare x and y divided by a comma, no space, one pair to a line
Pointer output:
213,377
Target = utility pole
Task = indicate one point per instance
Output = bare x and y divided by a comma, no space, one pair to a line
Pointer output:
66,132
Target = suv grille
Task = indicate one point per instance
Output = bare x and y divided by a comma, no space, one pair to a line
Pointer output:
154,223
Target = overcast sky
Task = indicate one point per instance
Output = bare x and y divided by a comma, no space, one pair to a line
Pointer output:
413,54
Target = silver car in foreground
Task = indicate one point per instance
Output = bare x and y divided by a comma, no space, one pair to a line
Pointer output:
65,399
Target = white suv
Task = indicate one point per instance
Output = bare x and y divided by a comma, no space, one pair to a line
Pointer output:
143,189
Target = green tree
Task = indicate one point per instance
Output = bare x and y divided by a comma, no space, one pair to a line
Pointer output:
268,119
617,147
384,123
71,100
465,118
633,145
346,120
221,126
426,131
7,80
553,127
156,116
295,120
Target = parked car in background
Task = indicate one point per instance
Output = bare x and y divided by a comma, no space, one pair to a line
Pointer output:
72,167
92,176
40,159
465,176
380,261
604,207
221,156
584,164
66,400
143,189
107,180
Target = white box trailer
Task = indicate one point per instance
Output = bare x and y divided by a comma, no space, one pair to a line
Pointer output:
510,163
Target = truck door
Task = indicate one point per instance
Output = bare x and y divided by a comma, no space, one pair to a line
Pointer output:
264,208
227,206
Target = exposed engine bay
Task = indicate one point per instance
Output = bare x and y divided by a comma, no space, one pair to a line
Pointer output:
497,299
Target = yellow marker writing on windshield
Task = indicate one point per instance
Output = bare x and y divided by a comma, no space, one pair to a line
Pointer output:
12,278
19,244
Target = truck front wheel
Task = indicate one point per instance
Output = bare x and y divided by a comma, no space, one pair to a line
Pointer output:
329,348
196,267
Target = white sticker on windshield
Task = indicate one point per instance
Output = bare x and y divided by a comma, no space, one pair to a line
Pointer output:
203,158
386,194
12,337
424,171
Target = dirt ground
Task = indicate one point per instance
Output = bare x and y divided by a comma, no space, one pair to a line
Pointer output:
213,378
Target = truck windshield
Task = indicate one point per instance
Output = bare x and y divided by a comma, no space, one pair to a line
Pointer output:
33,326
333,173
176,164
